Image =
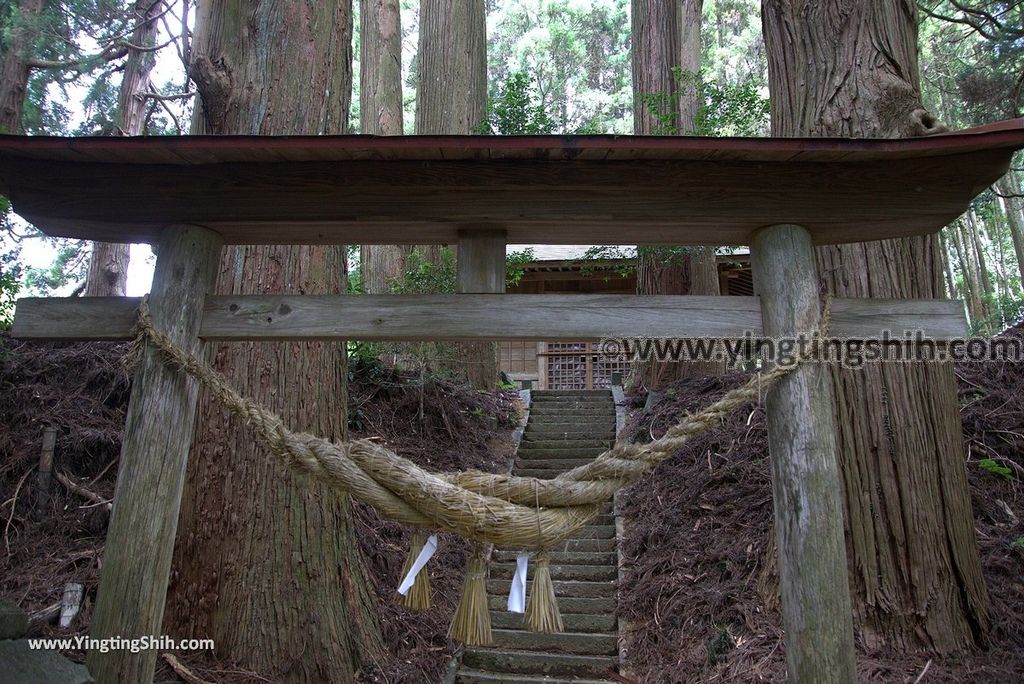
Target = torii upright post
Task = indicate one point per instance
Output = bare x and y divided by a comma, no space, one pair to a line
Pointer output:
154,454
805,473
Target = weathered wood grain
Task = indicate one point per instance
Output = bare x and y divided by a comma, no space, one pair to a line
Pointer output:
560,190
105,319
480,268
478,317
151,471
806,486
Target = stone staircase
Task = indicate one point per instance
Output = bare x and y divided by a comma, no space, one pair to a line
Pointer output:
565,429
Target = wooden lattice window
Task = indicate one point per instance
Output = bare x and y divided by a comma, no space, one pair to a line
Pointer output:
579,365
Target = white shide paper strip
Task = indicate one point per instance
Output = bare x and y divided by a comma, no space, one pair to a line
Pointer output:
517,594
428,550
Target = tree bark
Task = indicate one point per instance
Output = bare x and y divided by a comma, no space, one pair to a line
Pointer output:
690,48
108,263
451,96
667,35
1008,186
380,67
380,106
108,270
947,267
15,69
656,51
448,54
849,69
975,307
979,254
266,562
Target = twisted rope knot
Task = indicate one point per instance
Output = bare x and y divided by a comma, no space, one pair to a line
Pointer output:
508,511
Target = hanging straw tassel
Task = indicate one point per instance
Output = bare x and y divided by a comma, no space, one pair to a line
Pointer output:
472,623
418,595
542,613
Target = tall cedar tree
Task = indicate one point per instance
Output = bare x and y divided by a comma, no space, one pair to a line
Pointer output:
15,68
451,99
265,562
380,112
666,60
108,262
846,68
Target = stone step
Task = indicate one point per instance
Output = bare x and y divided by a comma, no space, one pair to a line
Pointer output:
576,572
566,557
587,545
466,676
593,411
569,413
562,392
603,621
572,397
603,405
570,422
567,588
526,450
561,464
567,605
531,662
575,396
535,434
603,431
594,532
566,642
600,444
539,473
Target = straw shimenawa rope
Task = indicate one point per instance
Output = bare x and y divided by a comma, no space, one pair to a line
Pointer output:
508,511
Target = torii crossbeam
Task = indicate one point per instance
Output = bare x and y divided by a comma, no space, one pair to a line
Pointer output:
191,195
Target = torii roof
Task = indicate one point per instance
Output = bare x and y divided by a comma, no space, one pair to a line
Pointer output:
540,189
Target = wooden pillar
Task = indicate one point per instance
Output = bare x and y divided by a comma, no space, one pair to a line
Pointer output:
480,269
154,453
44,475
481,261
805,474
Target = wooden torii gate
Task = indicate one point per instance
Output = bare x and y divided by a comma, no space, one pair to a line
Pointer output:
191,195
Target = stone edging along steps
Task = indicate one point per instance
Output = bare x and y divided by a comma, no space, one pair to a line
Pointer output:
565,429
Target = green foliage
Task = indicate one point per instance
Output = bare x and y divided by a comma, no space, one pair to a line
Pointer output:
724,109
627,258
516,110
10,283
423,276
515,264
354,269
76,39
1018,544
1007,310
576,55
69,266
973,58
993,467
